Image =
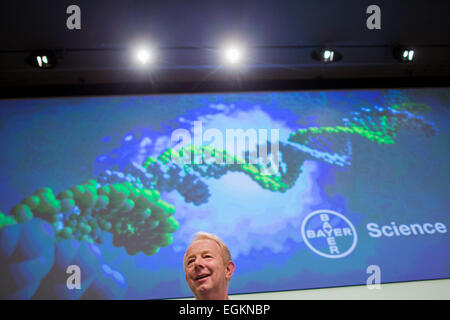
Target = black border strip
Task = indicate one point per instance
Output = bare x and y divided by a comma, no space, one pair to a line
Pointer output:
141,88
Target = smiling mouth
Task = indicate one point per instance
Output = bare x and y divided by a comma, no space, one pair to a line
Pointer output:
202,277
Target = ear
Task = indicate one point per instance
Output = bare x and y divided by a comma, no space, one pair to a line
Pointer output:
229,269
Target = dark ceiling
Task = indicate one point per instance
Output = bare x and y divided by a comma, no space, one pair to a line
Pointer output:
280,37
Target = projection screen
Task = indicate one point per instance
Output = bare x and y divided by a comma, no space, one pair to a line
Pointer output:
309,189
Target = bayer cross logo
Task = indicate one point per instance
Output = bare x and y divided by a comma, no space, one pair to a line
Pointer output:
329,234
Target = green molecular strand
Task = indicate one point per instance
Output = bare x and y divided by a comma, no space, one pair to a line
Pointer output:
412,107
21,213
209,156
380,137
138,218
6,220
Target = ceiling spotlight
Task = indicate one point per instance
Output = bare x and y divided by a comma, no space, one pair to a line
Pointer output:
404,54
326,55
233,55
144,56
42,59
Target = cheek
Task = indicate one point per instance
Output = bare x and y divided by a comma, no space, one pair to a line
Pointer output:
188,274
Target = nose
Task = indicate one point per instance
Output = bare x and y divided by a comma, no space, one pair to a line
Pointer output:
198,263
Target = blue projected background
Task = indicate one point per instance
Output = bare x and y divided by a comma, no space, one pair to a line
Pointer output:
98,183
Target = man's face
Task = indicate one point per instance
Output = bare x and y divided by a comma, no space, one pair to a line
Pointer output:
206,273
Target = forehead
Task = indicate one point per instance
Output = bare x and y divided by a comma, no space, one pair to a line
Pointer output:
202,245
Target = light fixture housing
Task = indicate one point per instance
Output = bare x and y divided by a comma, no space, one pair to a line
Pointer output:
43,59
326,55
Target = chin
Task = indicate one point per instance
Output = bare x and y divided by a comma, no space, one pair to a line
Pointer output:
203,289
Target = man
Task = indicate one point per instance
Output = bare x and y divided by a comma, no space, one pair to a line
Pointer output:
208,267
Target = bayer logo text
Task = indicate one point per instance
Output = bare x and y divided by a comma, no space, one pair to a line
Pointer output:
329,234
